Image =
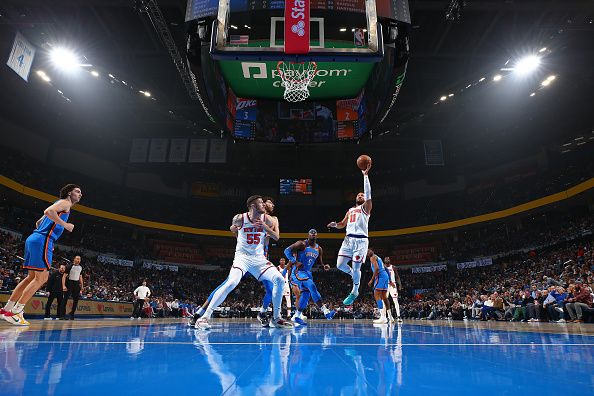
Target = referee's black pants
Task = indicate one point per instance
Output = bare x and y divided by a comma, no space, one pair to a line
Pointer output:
58,296
73,290
138,304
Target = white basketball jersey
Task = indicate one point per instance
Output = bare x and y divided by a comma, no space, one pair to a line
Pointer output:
286,275
251,240
391,273
357,221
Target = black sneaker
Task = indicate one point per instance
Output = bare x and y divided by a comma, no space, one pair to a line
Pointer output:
263,318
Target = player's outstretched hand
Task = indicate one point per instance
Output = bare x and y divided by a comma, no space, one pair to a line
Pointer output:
366,171
69,227
332,225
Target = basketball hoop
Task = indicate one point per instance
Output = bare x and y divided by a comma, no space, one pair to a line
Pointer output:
296,77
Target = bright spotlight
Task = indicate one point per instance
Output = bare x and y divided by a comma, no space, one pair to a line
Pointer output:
443,98
342,29
94,73
147,94
43,76
497,77
64,59
482,79
533,93
527,64
450,95
545,83
551,78
543,49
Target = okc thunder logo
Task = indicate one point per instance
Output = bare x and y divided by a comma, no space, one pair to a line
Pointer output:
299,28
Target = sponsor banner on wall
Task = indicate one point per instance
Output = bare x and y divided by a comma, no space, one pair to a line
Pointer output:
159,266
414,254
421,291
429,268
36,306
478,262
115,261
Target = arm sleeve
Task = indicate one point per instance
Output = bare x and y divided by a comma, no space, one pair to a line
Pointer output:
366,187
289,255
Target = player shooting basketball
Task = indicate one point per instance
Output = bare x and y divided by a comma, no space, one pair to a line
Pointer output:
355,244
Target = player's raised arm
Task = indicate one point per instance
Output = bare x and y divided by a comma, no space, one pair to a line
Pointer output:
341,224
236,224
367,190
51,213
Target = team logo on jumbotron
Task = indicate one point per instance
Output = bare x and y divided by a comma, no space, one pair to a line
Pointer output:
299,28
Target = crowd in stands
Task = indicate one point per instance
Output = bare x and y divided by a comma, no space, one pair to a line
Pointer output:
551,283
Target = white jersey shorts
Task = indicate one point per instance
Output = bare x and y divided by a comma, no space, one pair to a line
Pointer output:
354,248
258,266
393,292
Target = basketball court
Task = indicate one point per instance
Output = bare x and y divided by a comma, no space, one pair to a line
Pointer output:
339,358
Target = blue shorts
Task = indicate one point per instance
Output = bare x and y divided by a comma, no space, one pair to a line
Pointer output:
382,281
294,280
38,252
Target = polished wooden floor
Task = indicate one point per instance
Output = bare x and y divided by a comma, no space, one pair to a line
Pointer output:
586,329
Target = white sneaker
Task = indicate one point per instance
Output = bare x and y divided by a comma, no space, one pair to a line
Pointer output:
47,318
559,309
202,323
131,317
561,321
15,319
381,321
281,323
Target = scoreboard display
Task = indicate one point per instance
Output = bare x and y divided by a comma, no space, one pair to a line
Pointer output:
296,187
393,9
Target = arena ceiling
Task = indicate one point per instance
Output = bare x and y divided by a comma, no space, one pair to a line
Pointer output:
446,56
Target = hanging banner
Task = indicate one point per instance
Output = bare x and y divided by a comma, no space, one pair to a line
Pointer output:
139,150
21,56
158,151
218,151
178,150
198,149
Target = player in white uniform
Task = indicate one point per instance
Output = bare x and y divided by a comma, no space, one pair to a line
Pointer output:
251,229
392,288
356,242
283,269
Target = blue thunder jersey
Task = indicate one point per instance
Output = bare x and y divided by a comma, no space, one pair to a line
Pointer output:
382,271
52,230
307,257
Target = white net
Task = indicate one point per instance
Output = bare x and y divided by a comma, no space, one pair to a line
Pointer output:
296,77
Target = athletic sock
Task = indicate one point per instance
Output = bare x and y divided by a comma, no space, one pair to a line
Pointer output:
200,311
9,305
208,313
18,308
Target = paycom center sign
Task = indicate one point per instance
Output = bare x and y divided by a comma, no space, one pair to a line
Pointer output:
261,80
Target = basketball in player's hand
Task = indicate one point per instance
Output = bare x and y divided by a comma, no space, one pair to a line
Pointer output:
363,161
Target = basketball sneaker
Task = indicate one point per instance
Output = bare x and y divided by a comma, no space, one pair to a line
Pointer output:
2,311
263,319
400,320
192,320
202,324
380,321
350,299
15,319
330,314
299,321
280,323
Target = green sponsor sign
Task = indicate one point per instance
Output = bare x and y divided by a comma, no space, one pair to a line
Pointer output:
261,80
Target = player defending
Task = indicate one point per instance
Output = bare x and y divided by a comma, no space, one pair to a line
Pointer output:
393,286
303,255
355,244
267,299
380,280
38,253
251,229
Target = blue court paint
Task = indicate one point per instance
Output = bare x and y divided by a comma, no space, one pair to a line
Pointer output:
334,358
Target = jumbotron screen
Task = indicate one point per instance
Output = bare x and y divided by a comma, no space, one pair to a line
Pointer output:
296,187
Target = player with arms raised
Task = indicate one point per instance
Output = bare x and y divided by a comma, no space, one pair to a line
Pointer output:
356,242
